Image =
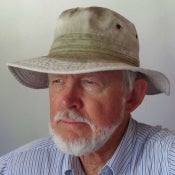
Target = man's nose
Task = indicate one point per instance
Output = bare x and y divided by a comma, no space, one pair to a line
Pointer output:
72,98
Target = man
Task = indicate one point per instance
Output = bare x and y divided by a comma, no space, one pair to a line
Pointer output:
95,83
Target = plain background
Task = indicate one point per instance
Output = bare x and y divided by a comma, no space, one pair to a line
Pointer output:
26,30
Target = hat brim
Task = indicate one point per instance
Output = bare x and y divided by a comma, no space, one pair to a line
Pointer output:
33,72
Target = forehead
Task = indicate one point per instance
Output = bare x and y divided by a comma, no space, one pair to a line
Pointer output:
100,74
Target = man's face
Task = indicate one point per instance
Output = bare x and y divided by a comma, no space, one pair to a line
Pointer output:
86,106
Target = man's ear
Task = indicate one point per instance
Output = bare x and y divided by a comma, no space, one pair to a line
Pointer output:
136,96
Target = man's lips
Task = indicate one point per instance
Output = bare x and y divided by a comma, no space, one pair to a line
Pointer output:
71,122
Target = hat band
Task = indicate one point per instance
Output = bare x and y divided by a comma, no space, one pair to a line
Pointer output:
84,46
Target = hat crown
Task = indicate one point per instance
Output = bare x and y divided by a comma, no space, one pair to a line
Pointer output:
117,34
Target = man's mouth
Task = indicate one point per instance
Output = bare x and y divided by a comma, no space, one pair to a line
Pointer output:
71,122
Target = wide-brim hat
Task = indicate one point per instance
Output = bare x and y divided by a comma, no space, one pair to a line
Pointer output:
88,40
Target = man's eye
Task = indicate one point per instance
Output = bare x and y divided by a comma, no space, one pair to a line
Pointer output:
57,84
58,81
91,85
89,82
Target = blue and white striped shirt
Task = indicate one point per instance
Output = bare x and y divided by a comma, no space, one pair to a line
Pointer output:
144,150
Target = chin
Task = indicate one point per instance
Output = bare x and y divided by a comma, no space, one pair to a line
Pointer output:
80,146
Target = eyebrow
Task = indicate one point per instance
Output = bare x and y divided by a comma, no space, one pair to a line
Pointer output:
55,75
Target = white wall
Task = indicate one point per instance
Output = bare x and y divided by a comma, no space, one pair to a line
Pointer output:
26,30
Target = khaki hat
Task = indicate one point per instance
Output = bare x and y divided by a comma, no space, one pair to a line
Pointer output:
88,40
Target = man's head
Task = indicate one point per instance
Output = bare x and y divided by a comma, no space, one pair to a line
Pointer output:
87,109
94,52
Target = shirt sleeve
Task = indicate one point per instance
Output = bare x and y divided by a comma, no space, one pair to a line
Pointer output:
171,158
3,164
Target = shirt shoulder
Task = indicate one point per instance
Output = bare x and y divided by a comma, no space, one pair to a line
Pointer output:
155,134
157,145
32,157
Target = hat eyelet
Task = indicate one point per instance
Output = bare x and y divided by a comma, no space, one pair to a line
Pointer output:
118,26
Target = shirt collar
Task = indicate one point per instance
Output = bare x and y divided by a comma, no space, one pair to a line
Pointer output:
72,165
118,163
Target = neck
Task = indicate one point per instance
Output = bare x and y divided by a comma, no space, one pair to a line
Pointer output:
92,163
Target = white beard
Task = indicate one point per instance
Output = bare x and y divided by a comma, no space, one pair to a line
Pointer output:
83,146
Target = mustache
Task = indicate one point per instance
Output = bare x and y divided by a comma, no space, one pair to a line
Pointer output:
72,115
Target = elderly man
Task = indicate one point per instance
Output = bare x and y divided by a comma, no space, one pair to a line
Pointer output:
95,82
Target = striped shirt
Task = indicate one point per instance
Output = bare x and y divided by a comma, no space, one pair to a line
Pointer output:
144,150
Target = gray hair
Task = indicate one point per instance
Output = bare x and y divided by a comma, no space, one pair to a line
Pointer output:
128,79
